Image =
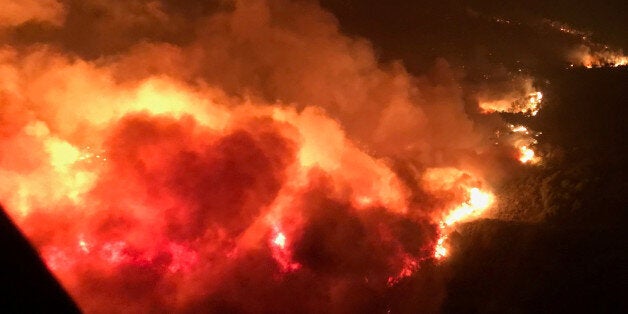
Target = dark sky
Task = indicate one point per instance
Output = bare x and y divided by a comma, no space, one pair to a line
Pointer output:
463,32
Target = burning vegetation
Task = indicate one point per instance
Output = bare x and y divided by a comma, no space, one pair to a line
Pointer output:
155,179
267,154
528,105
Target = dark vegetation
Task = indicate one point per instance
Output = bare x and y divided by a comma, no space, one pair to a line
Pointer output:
561,246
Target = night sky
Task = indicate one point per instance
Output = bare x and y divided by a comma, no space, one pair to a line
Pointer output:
554,242
466,32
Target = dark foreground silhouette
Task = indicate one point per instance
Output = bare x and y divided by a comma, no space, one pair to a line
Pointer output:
27,286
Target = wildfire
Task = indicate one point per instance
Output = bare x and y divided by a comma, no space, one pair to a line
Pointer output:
523,139
440,251
604,59
567,29
470,202
281,254
589,54
520,137
168,177
477,203
529,105
519,129
280,241
526,154
597,56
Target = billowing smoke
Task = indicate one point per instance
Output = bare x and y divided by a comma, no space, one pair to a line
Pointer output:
237,156
15,13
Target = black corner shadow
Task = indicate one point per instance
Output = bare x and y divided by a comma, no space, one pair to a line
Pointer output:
26,284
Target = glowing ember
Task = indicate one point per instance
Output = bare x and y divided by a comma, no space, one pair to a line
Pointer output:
567,29
410,265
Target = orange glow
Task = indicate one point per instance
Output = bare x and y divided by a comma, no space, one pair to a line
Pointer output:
92,181
478,201
440,251
526,155
281,254
519,129
598,57
16,12
529,105
83,245
410,265
523,140
280,240
158,176
469,203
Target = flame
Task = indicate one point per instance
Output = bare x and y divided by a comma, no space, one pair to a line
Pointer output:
595,56
528,105
523,140
589,54
281,253
526,154
159,177
519,129
525,151
440,251
470,201
280,240
609,59
519,137
477,203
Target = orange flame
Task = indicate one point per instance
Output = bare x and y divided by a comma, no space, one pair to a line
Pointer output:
598,57
478,202
470,203
526,155
529,105
281,254
441,251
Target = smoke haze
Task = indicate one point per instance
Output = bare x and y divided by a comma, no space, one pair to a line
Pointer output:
239,156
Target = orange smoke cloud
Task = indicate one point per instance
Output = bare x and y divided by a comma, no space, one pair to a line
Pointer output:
259,158
16,12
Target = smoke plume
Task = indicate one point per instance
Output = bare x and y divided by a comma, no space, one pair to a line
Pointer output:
235,156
